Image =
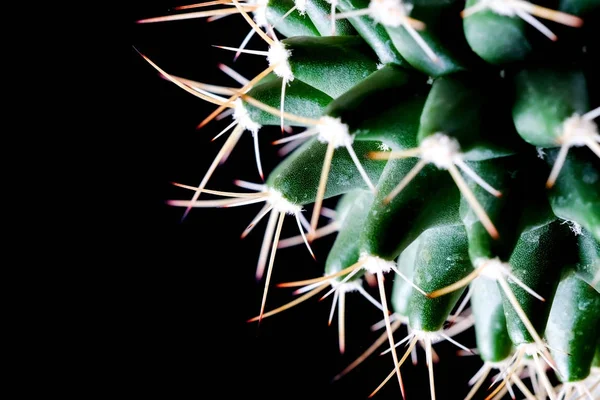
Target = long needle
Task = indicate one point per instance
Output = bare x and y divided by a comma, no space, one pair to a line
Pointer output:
388,328
406,354
293,303
321,190
378,343
271,262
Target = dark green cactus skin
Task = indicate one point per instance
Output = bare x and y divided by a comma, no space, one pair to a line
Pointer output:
419,59
461,106
439,263
373,33
387,87
454,106
394,121
345,251
502,173
537,260
319,11
433,200
294,24
401,289
576,194
297,177
395,126
588,267
573,321
493,340
331,64
544,98
345,205
300,99
443,40
497,39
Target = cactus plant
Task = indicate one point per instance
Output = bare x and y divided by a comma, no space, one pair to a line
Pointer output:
429,166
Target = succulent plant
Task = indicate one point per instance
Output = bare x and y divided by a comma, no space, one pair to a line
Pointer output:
438,158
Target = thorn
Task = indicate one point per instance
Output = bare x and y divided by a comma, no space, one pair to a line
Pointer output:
343,281
255,52
291,303
264,211
240,93
428,357
558,164
225,150
304,236
473,202
233,74
456,285
421,43
345,271
473,175
302,135
252,23
264,249
244,43
390,155
391,374
192,15
181,84
200,5
271,262
552,15
360,168
283,86
389,331
381,340
321,190
276,112
405,181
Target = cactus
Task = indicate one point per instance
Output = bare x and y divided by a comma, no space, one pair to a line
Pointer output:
427,167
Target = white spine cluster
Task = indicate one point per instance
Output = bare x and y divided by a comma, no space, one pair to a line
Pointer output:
501,7
574,227
384,147
300,6
280,203
440,149
333,130
390,13
577,131
278,55
346,287
492,268
375,264
260,13
240,114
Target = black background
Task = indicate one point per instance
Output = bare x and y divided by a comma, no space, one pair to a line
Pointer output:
197,276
